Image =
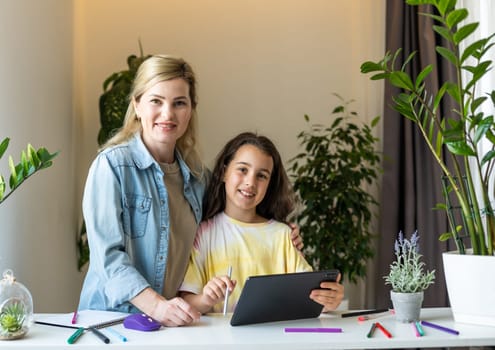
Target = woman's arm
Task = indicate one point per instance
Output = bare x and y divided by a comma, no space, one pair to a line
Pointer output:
170,313
296,237
111,271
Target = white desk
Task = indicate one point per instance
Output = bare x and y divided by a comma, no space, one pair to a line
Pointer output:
214,332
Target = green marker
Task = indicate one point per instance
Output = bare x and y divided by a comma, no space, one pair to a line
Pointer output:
372,330
73,338
419,328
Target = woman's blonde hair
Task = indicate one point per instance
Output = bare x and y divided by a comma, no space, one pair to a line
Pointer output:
153,70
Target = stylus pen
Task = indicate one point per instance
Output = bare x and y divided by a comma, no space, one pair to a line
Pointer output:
226,301
365,312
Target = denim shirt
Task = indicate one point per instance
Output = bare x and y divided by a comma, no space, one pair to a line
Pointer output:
125,207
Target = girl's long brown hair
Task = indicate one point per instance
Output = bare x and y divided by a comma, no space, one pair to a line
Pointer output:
279,200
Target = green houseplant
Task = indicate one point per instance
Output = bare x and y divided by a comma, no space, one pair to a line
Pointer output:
456,136
31,162
112,104
16,306
328,177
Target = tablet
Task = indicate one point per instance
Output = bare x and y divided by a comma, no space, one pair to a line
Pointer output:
280,297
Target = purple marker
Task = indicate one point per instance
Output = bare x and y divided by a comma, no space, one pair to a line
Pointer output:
440,328
313,330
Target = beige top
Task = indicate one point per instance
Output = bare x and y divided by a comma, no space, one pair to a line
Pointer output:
182,229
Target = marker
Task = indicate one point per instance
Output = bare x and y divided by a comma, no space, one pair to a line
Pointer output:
416,331
100,335
366,312
226,301
372,330
440,328
419,328
74,318
313,330
73,338
384,331
117,334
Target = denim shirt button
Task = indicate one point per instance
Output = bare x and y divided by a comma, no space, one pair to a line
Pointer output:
162,202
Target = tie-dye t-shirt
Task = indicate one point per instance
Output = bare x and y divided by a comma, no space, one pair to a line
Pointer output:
251,249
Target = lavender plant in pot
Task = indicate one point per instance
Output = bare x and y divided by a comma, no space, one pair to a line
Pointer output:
462,141
408,279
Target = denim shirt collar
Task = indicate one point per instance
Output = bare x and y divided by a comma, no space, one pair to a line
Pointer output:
143,158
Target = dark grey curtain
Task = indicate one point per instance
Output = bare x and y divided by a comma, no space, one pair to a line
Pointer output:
411,179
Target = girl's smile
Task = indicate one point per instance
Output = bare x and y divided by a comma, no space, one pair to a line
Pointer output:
246,181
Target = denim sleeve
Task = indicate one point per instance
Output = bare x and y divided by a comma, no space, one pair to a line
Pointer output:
110,265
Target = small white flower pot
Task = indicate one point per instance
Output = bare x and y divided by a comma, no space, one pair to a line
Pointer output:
407,306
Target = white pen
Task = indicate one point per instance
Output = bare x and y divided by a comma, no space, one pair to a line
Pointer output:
226,301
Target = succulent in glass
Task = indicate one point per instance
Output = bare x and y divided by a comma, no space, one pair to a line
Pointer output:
12,317
16,308
407,273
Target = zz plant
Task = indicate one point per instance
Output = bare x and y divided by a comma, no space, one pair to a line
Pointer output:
456,135
32,161
328,178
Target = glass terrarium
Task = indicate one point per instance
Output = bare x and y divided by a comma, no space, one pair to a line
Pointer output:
16,308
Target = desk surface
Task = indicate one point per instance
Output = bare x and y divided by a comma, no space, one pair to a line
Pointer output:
214,332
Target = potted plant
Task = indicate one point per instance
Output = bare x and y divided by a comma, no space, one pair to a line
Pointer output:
408,279
16,305
456,136
328,177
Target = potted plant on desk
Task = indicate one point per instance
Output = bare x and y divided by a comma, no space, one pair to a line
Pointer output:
16,304
408,279
463,137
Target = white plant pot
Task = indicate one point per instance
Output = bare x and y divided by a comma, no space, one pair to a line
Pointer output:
407,306
471,287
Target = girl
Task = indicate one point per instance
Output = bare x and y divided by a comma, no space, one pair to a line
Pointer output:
246,204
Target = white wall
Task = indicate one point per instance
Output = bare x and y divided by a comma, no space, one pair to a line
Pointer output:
261,64
37,223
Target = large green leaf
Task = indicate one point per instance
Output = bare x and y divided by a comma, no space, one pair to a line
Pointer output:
3,146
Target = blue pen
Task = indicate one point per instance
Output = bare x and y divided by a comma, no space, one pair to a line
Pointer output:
117,334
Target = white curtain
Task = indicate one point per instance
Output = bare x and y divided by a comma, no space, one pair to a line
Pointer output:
483,11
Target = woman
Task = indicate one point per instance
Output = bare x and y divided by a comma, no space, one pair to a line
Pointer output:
143,199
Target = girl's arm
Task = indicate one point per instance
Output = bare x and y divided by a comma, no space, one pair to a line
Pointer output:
213,293
330,295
